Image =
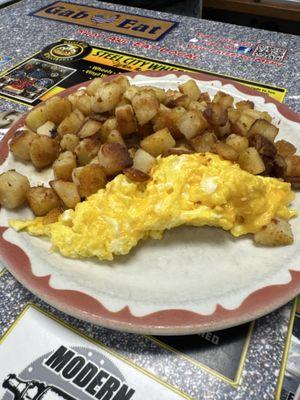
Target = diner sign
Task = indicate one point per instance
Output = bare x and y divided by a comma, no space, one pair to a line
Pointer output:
107,20
43,358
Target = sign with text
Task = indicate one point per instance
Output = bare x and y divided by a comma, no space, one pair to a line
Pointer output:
107,20
42,359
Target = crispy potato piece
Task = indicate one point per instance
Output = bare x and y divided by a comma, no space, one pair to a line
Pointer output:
179,101
233,115
255,114
13,189
115,137
216,115
243,125
264,128
176,151
223,99
43,151
94,86
52,216
285,148
197,106
191,123
159,93
239,143
204,142
66,191
131,92
136,175
64,166
81,101
89,179
86,150
293,165
143,161
158,142
69,142
244,105
279,167
109,125
89,128
41,200
263,145
226,151
71,124
123,82
37,117
277,233
114,158
251,161
146,106
224,130
167,118
191,89
125,118
142,131
20,144
107,97
47,129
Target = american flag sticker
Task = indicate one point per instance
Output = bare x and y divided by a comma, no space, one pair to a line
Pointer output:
100,18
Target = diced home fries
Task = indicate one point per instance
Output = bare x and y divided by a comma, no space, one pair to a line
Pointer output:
113,127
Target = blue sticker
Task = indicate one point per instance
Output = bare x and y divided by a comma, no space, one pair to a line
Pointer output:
244,50
4,59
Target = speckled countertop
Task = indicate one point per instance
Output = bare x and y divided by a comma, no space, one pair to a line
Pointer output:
22,35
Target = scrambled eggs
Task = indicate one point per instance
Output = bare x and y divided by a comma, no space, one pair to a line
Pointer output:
193,189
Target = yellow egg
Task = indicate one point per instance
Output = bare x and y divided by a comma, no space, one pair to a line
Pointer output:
192,189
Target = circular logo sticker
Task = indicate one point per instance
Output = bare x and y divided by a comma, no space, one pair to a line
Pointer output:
66,50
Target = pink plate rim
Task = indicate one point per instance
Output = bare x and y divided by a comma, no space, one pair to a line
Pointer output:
165,322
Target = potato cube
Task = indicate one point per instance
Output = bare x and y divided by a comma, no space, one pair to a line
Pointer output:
158,142
223,99
233,115
143,161
285,148
197,106
239,143
191,89
243,125
131,92
66,191
43,151
293,165
244,105
109,125
277,233
71,124
64,166
146,106
216,115
41,200
37,117
52,216
167,118
226,151
47,129
136,175
125,118
20,144
181,101
69,142
89,128
13,189
86,150
114,158
81,101
264,128
94,86
115,137
205,142
107,97
159,93
89,179
251,161
191,123
57,108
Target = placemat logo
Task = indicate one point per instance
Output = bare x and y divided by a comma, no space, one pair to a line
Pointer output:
100,18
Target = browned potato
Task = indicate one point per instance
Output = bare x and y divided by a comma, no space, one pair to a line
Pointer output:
109,125
177,151
143,161
131,92
244,105
191,89
86,150
125,118
277,233
71,124
243,125
43,151
89,179
136,175
94,86
52,216
226,151
146,106
182,100
223,99
167,118
251,161
158,142
159,93
114,158
41,200
191,123
64,166
47,129
264,128
20,144
89,128
115,137
37,117
69,142
204,142
81,101
293,165
263,145
107,97
223,130
197,106
123,82
66,191
233,115
239,143
285,148
13,189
